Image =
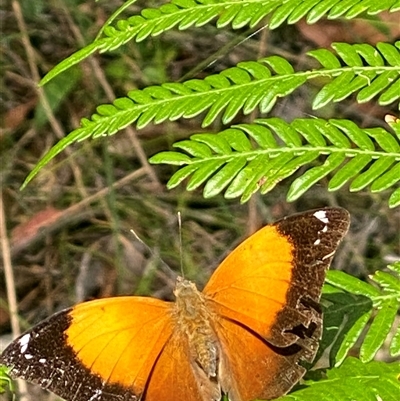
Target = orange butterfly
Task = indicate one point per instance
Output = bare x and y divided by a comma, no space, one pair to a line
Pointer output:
243,335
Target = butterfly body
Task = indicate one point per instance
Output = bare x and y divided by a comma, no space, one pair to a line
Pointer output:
245,335
193,320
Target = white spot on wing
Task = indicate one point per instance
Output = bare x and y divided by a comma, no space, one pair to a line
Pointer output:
24,342
317,241
321,215
28,356
329,255
96,395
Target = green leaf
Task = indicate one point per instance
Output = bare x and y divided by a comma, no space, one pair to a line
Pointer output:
174,158
356,134
303,142
254,98
391,94
203,173
285,170
246,176
237,75
257,70
348,54
309,131
68,62
351,284
394,199
234,107
320,10
53,152
340,8
5,380
285,132
344,320
385,139
268,172
395,267
369,53
219,105
261,135
326,58
223,177
250,84
347,318
195,149
379,329
388,282
310,177
328,92
390,52
332,133
352,331
381,82
237,139
216,143
301,10
395,344
218,81
351,381
348,171
282,13
387,180
56,92
181,175
374,171
279,65
228,15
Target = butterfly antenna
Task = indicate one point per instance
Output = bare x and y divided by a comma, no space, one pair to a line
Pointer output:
180,243
152,253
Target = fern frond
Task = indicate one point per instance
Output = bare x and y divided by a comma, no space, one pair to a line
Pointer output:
184,14
244,87
353,380
357,77
230,161
355,303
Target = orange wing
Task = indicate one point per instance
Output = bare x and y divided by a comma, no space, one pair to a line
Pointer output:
102,350
266,293
177,377
252,369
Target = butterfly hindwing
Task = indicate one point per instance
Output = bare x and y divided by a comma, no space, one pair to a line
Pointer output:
176,376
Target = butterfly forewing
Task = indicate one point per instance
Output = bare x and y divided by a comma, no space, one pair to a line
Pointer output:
270,286
102,350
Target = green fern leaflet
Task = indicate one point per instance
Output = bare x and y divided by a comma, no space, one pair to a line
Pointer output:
256,157
352,305
353,381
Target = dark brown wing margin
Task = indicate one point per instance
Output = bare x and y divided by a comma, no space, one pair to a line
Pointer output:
42,356
315,236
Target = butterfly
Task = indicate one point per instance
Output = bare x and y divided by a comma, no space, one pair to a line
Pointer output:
245,335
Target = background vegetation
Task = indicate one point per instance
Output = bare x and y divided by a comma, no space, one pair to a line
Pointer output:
72,222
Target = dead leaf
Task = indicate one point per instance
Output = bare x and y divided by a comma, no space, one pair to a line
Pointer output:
24,232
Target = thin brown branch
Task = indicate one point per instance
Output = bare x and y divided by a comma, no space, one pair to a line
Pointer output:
10,285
